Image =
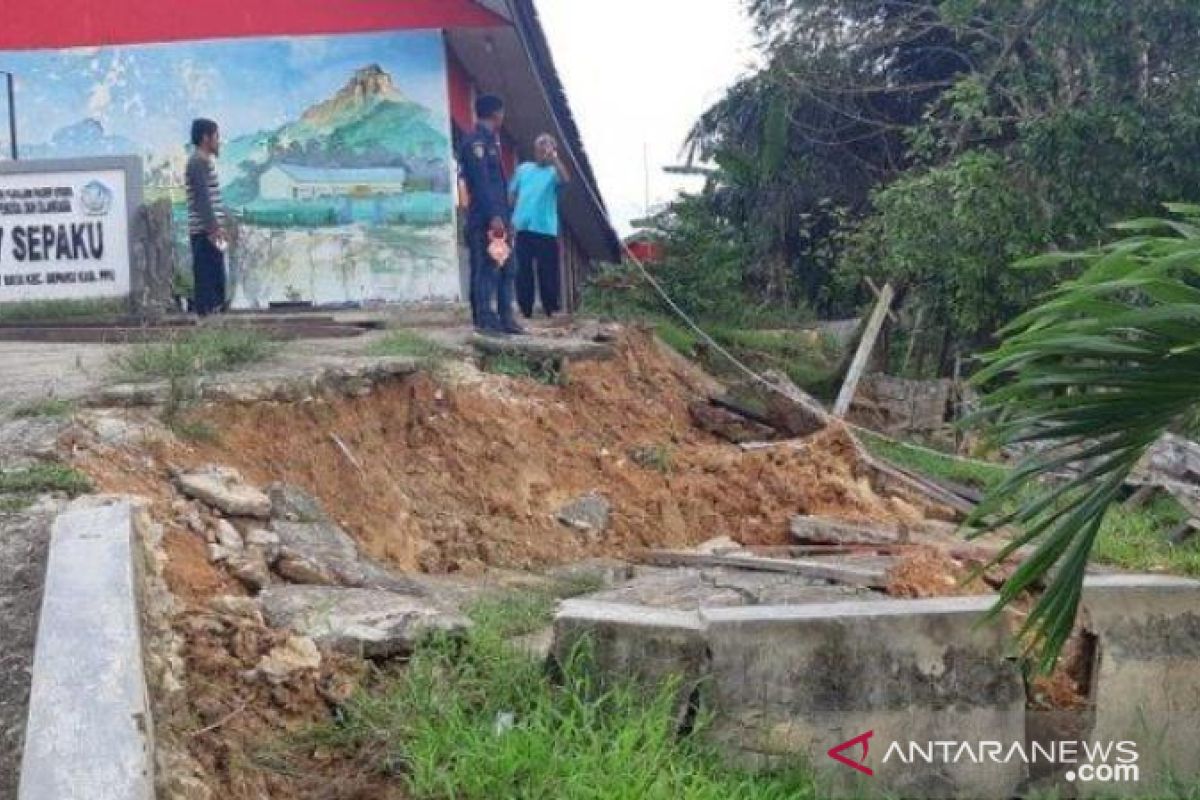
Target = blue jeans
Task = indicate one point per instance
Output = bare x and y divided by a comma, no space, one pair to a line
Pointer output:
492,289
208,271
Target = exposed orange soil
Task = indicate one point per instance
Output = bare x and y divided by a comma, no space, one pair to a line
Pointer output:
441,479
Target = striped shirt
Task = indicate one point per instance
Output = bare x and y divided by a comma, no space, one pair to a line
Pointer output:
206,211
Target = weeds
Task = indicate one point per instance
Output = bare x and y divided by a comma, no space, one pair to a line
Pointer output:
47,407
479,720
410,344
1133,539
44,478
656,456
548,371
193,430
195,353
61,309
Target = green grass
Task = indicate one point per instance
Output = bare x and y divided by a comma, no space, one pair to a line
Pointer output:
1134,539
194,353
545,371
979,474
43,478
441,728
410,344
47,407
47,310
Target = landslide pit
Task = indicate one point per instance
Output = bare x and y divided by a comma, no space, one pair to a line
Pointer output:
456,475
447,471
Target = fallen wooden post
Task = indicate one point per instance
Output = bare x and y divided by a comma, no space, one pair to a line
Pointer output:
865,346
848,575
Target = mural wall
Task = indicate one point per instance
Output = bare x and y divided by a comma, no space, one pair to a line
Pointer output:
336,157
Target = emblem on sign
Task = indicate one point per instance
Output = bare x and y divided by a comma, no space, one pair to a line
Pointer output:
96,199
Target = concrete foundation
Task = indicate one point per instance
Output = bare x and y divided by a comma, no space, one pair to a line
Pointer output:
790,682
1146,680
89,733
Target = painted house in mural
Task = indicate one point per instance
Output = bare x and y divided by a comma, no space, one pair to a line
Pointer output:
296,182
339,123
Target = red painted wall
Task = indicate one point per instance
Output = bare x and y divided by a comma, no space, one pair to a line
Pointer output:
70,23
462,94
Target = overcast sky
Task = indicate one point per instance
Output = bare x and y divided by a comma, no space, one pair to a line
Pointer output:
638,74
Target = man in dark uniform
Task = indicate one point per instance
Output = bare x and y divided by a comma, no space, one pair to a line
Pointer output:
492,281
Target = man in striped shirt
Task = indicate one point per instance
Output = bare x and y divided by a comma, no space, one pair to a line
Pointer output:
206,219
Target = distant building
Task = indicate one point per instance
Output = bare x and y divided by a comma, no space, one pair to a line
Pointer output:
294,182
646,247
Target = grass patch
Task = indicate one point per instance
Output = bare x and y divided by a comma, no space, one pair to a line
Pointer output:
49,310
44,478
546,371
1133,539
659,457
15,503
969,471
47,407
479,720
410,344
192,430
194,353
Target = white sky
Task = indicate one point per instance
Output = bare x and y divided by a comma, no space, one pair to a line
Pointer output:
638,74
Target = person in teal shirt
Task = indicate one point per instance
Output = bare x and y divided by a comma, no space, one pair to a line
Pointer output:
533,193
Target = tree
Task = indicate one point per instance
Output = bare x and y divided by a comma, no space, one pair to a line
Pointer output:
1092,376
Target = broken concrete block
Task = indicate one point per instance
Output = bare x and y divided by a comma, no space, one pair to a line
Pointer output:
250,567
297,654
791,682
291,503
321,553
244,607
366,622
593,573
717,547
633,643
228,536
588,514
1146,681
224,489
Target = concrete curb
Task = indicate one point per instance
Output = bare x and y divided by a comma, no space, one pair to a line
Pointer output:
89,735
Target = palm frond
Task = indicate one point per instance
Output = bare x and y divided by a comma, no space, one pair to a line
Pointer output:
1089,379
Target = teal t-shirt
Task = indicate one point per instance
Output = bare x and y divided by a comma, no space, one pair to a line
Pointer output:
536,188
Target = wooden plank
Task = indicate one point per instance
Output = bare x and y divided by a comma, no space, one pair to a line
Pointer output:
1144,494
1186,530
859,365
850,576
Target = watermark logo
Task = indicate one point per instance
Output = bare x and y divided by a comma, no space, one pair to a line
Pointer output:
1084,761
863,739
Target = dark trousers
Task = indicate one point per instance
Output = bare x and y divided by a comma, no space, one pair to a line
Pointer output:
537,257
208,271
491,286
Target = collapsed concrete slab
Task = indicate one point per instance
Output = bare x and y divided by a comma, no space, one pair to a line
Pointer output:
790,682
1146,680
363,622
89,733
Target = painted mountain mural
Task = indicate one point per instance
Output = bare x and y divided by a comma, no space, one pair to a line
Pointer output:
368,127
336,164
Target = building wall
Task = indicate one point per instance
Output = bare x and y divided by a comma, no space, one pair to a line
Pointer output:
345,101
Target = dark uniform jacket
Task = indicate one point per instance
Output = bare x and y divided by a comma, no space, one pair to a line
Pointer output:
482,168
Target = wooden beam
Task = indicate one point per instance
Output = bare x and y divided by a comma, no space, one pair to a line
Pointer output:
865,346
844,574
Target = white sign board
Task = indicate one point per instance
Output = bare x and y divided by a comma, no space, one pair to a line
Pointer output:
64,235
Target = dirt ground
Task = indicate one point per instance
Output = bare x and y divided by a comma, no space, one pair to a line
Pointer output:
455,474
24,541
448,478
